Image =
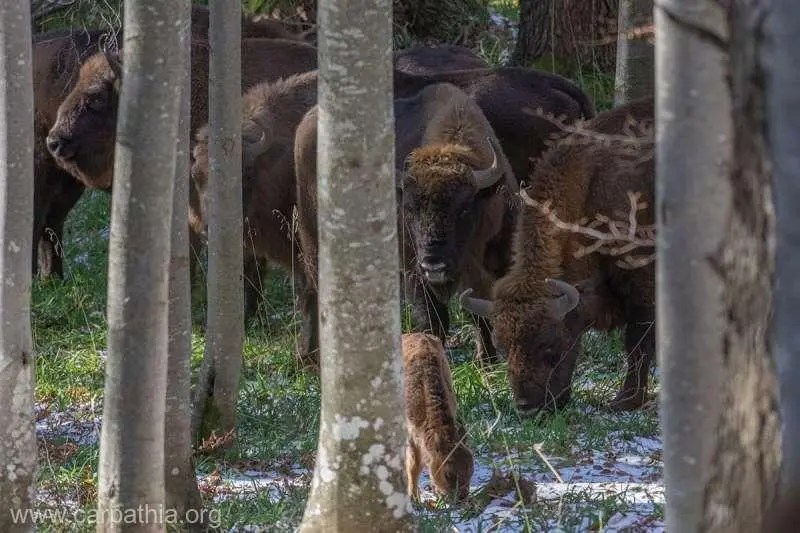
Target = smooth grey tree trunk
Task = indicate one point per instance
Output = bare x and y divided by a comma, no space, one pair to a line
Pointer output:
180,481
18,451
635,75
131,473
783,113
359,482
691,162
218,382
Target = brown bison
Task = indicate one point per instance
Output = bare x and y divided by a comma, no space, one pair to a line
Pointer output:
455,216
549,297
436,440
271,112
57,57
435,59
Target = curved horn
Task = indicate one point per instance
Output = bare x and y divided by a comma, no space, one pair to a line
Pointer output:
568,300
475,306
488,176
114,63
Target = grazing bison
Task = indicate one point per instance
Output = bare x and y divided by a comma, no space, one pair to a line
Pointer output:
457,191
439,58
549,297
57,57
271,112
436,440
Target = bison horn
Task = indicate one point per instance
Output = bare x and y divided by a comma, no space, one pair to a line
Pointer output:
488,176
114,63
253,146
568,299
475,306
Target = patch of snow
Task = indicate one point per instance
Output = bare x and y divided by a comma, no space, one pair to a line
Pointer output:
79,423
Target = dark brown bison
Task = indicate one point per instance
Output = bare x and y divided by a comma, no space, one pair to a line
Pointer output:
434,59
548,298
57,57
457,188
271,112
436,440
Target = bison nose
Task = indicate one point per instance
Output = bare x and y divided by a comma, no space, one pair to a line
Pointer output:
526,408
61,146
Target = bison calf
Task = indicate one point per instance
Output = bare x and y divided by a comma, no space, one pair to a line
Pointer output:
436,440
538,313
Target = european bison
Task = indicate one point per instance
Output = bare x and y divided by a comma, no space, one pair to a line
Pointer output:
537,312
457,188
57,57
439,58
271,111
436,440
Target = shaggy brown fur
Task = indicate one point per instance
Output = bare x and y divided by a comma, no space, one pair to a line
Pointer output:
439,58
268,179
453,232
57,57
436,440
581,176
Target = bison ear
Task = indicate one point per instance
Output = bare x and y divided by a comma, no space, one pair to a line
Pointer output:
568,299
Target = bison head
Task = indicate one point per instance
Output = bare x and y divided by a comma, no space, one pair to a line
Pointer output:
254,143
82,139
537,339
442,187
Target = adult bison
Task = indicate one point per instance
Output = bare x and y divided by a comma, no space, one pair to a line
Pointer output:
434,59
549,297
57,58
455,216
271,112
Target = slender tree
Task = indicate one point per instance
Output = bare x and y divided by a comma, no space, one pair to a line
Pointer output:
18,458
180,481
218,383
131,472
716,267
635,77
359,482
783,112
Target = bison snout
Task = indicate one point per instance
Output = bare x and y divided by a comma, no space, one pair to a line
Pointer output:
61,146
435,272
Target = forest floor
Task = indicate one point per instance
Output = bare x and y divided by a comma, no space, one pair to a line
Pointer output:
579,469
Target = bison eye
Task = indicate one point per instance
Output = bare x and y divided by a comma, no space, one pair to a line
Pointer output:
97,102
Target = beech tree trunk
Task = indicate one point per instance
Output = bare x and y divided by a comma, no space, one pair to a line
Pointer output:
715,267
180,482
783,114
359,482
218,382
578,32
635,76
18,457
131,473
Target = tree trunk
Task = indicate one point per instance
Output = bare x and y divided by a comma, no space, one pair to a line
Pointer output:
359,482
577,32
635,77
18,459
180,482
218,383
715,287
783,113
131,473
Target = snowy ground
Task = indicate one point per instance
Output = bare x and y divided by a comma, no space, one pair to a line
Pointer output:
630,472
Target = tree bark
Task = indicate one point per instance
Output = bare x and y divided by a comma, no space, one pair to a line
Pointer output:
131,474
635,76
719,407
180,482
18,458
690,70
783,112
359,482
218,383
579,32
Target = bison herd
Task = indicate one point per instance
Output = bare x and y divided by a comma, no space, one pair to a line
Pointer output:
469,140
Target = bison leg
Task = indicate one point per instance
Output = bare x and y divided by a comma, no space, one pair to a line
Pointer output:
253,272
413,469
428,313
51,242
308,348
640,344
484,349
